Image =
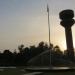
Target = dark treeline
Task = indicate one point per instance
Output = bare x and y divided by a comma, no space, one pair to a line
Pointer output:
7,58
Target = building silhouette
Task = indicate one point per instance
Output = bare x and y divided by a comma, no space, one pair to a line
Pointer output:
67,22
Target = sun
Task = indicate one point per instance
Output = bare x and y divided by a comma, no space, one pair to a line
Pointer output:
63,45
74,44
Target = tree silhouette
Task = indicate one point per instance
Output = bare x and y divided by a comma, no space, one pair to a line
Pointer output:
7,58
57,50
21,48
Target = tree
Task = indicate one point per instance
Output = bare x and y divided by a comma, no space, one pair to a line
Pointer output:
20,48
7,57
57,50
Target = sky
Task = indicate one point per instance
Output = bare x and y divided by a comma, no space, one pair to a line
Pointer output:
26,22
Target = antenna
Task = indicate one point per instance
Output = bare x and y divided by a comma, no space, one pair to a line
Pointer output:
48,23
49,31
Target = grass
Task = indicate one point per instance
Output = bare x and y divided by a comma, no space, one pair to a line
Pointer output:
59,73
21,71
16,71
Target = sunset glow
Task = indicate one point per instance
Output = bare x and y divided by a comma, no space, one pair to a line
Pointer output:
25,22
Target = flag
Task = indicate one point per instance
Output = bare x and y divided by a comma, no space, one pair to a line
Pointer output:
47,8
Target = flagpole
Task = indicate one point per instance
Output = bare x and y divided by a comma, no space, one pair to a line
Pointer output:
49,31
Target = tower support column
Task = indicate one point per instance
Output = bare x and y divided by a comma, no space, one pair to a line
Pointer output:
69,42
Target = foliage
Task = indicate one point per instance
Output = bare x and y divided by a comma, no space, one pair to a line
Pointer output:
7,58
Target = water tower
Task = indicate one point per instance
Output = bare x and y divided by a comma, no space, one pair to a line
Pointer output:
67,22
